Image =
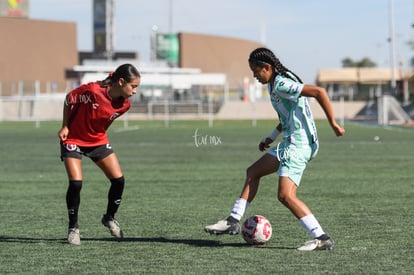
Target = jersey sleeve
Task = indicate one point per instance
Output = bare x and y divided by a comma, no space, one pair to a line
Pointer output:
288,89
79,95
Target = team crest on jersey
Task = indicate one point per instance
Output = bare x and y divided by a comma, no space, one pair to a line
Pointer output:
274,97
114,116
71,147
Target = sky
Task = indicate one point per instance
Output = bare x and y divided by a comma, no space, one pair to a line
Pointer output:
306,35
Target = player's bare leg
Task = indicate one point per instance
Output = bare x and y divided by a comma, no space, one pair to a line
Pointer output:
287,196
266,165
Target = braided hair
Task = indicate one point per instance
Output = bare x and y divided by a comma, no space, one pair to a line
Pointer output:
126,71
262,56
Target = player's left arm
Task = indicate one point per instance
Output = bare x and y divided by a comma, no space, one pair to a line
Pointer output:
322,97
266,141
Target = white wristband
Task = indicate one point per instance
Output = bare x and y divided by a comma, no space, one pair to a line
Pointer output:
274,134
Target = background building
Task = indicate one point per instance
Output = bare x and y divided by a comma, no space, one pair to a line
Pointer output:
35,53
40,57
215,54
43,53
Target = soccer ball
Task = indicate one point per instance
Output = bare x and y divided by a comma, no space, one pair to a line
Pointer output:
256,230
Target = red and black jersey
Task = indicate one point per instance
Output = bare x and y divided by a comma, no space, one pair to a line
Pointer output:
92,112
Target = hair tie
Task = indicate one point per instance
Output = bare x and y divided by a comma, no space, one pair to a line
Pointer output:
111,74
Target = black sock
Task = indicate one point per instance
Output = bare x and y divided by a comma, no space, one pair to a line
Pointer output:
73,202
115,195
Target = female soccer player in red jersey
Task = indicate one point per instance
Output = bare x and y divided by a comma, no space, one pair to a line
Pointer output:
88,111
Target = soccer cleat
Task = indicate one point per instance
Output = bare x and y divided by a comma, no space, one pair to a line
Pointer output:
73,236
113,226
317,244
223,227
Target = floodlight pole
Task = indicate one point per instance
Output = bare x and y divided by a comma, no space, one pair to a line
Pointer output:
110,37
392,47
383,102
170,25
413,16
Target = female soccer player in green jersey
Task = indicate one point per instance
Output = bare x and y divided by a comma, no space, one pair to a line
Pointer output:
289,158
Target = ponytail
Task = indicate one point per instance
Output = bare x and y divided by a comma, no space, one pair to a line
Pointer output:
126,71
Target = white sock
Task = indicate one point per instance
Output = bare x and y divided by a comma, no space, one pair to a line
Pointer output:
312,226
239,208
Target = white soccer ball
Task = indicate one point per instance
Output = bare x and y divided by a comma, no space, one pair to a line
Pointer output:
256,230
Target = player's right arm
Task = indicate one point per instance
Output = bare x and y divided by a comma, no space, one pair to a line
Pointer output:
64,131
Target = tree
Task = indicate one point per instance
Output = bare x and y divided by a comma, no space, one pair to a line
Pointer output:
348,63
363,63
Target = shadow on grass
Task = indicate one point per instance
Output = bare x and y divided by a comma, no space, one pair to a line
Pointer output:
192,242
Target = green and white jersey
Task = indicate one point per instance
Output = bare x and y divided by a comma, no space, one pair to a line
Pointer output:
295,115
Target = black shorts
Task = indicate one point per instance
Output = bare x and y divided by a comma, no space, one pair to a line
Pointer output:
95,153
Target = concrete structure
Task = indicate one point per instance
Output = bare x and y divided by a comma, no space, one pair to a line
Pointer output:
216,54
35,50
36,57
38,50
50,108
361,75
378,80
161,83
264,110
